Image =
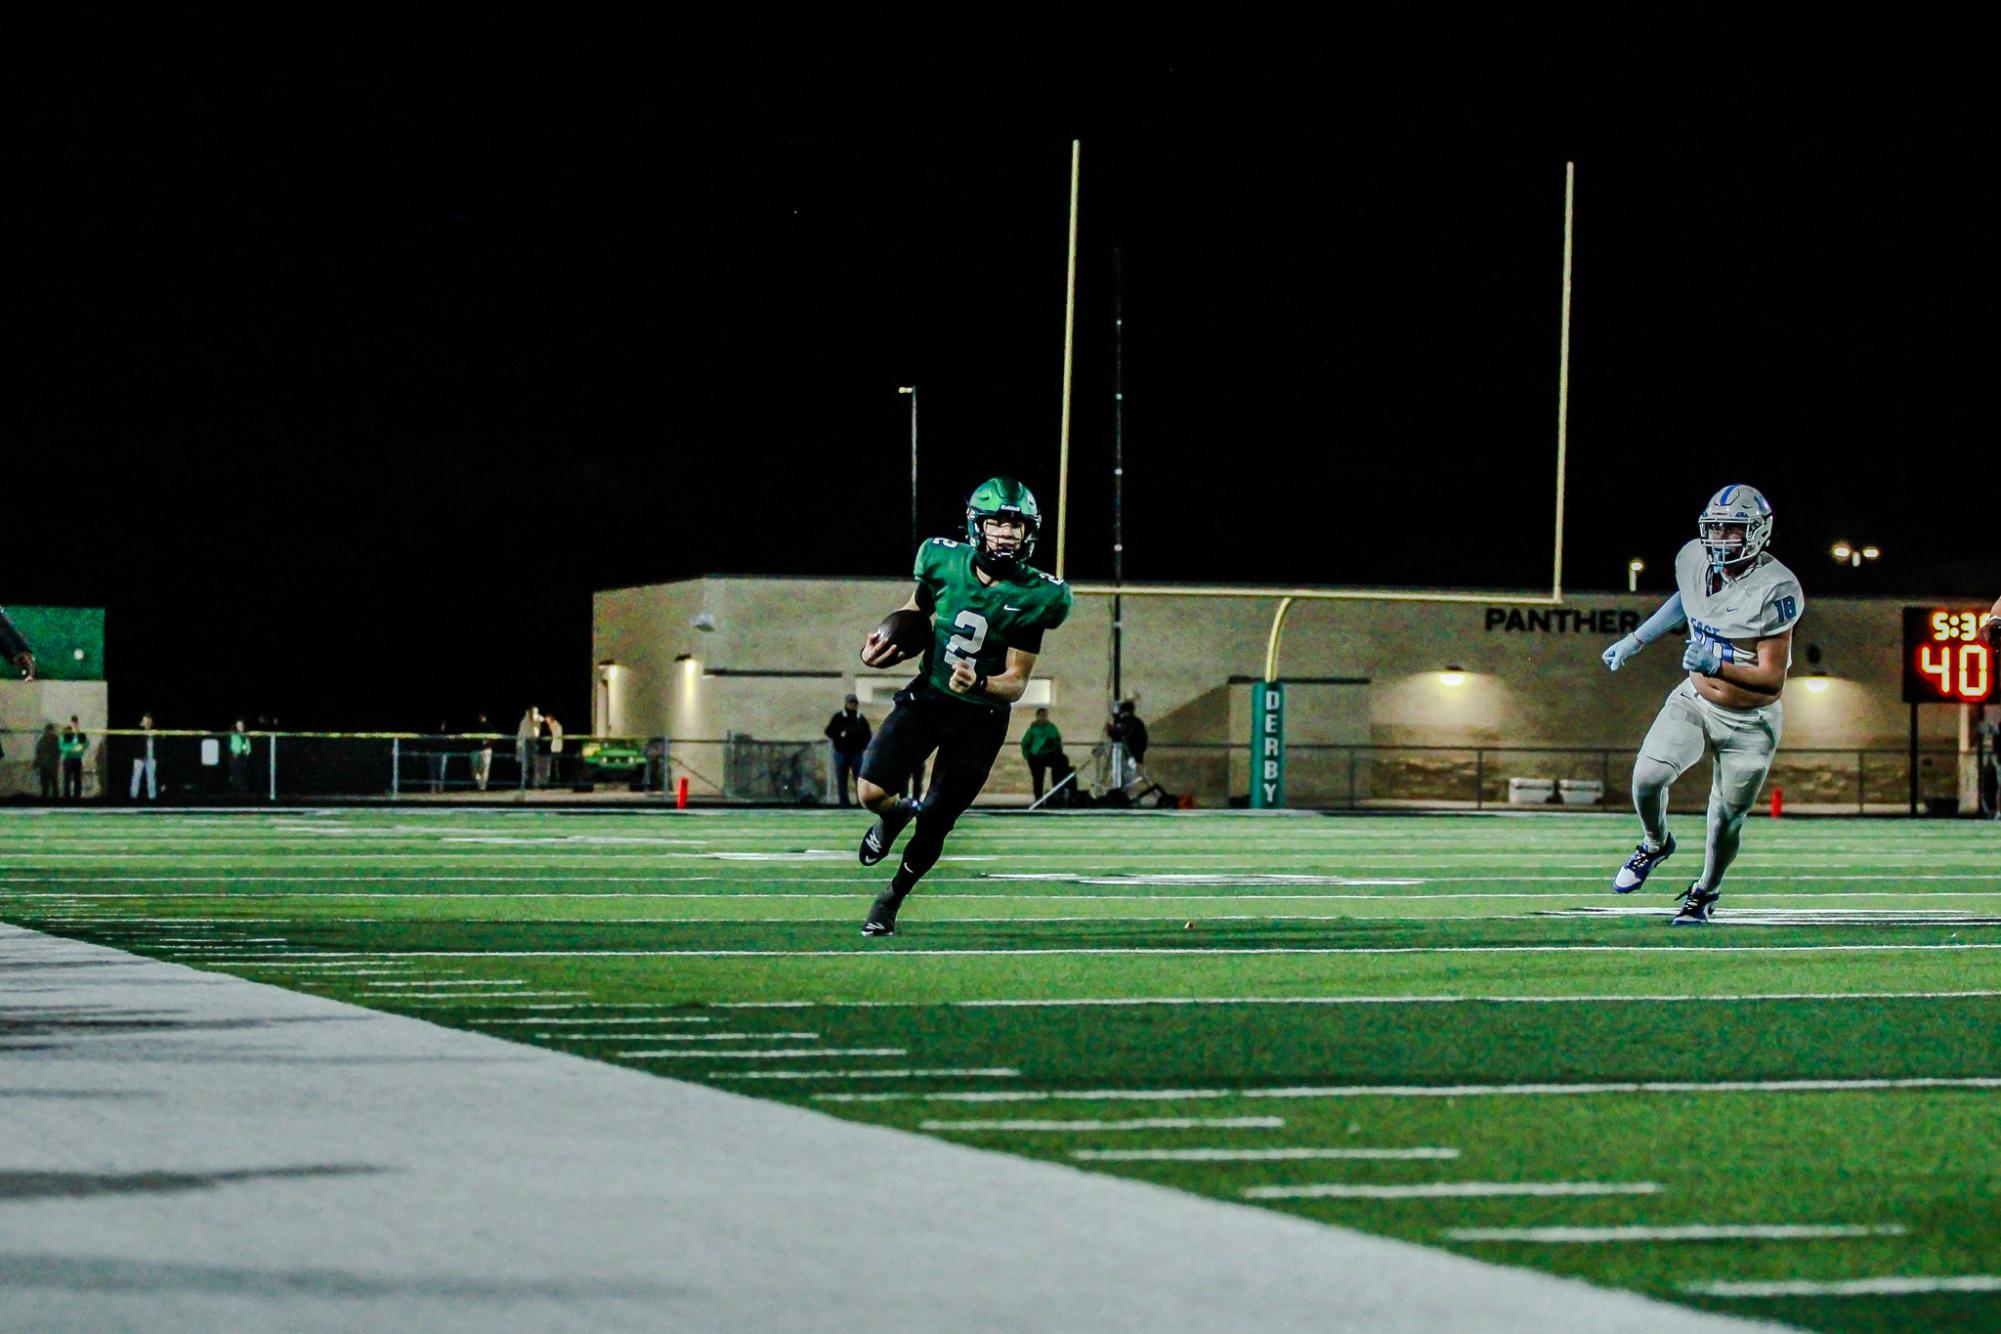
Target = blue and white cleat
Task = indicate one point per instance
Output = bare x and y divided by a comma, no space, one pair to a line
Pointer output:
1641,865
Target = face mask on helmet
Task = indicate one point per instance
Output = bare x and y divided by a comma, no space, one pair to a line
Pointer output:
1735,528
1001,520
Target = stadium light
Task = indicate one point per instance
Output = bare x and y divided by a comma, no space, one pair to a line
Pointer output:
1453,677
1633,568
1871,553
1842,551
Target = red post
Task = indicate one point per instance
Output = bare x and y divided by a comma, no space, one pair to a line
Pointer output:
681,795
1778,801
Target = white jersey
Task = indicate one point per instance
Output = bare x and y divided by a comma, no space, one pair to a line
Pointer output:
1759,604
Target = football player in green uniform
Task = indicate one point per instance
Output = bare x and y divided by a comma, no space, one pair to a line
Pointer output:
989,608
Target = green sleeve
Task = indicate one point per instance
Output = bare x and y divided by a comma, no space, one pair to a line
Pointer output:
1058,609
925,571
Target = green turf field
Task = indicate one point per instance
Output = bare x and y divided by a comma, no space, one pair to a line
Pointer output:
1438,1028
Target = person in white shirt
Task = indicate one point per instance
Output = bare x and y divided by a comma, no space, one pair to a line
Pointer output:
1740,605
552,767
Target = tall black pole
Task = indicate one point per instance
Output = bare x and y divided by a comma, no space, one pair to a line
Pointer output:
1914,759
1118,462
912,391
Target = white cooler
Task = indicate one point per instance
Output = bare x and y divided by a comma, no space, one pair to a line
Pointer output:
1581,791
1530,791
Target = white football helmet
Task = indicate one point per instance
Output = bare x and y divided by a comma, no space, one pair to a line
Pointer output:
1735,507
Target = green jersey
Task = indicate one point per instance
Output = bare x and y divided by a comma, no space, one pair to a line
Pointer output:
1041,741
979,622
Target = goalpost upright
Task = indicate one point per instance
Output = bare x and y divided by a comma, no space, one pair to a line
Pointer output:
1267,711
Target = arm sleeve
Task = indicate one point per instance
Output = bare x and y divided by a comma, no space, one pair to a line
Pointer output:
1783,605
12,645
1059,610
1027,638
920,570
1667,618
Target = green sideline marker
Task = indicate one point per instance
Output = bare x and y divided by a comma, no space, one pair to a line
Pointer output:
1267,745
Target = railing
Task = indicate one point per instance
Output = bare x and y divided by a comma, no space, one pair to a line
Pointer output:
201,767
224,767
1343,777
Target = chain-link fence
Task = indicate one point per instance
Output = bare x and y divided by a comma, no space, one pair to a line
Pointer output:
261,767
1333,777
249,767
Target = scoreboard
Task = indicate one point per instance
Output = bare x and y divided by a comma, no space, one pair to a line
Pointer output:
1945,659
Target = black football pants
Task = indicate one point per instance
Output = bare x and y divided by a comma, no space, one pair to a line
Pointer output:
967,739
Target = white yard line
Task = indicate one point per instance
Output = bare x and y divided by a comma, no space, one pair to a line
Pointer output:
470,982
1440,1090
689,1037
933,883
774,1054
1589,1236
439,1205
460,995
993,1072
1854,1287
1192,950
1618,998
1255,1155
1130,1123
592,1023
1444,1190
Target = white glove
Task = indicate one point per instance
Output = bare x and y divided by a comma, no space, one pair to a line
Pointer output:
1615,656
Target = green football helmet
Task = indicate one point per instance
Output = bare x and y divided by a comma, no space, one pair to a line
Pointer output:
1002,498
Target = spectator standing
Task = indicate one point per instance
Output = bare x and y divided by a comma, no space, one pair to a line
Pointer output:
482,755
1990,778
552,770
1041,745
145,765
848,733
1127,733
440,757
48,760
72,746
527,738
240,748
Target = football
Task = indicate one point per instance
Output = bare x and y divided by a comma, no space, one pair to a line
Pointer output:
908,632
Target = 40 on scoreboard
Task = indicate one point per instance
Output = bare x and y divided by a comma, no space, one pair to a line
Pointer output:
1945,659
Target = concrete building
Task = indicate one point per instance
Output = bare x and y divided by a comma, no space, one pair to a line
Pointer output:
1375,717
69,646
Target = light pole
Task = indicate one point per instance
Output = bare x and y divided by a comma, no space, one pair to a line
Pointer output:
1633,568
911,390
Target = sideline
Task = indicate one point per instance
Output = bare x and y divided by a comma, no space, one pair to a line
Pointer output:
183,1150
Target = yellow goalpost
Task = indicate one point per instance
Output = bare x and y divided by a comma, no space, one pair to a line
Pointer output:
1266,707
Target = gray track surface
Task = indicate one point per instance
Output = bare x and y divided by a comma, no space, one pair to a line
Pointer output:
254,1158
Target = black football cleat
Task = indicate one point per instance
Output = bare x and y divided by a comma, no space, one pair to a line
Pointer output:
882,914
1696,906
881,835
1641,865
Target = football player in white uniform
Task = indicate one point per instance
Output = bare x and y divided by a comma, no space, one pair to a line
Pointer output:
1740,605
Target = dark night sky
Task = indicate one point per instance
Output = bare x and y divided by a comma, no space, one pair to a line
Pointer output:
343,386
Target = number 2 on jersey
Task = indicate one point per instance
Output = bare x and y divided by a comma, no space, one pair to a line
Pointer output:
963,648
